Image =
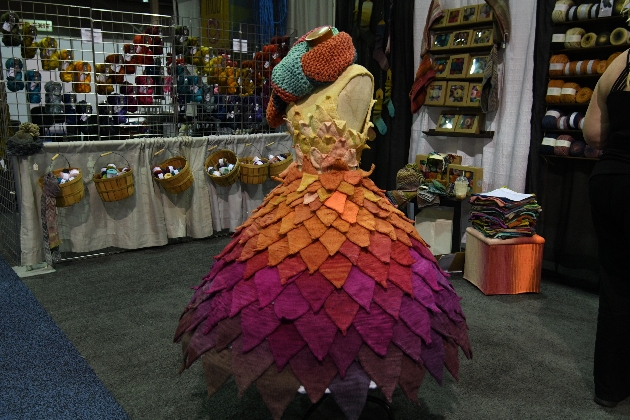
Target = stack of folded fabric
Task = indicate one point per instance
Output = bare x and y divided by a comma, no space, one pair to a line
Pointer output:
504,214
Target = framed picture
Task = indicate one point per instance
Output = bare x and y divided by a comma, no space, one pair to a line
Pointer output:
467,123
441,21
458,66
446,122
441,40
485,13
482,37
436,93
440,65
456,93
461,39
469,13
454,17
473,96
478,65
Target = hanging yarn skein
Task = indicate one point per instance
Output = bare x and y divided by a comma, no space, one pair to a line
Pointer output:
54,104
14,74
49,54
129,91
10,26
70,109
103,84
66,65
33,86
82,77
29,46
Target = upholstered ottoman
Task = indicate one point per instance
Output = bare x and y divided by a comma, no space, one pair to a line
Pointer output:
498,266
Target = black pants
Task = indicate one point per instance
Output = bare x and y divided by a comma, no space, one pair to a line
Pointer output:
610,209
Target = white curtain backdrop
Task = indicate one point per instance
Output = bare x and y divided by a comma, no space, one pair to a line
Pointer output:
504,157
306,15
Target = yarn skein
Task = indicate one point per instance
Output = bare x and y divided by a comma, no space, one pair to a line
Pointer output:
583,95
619,36
573,38
54,103
577,148
550,120
547,145
563,143
588,40
33,86
568,92
603,39
557,63
14,74
554,90
559,13
575,120
591,152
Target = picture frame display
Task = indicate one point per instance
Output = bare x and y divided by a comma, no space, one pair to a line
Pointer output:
461,39
458,66
440,22
485,13
440,65
441,40
467,123
482,37
478,65
473,96
446,122
456,93
436,93
469,13
454,17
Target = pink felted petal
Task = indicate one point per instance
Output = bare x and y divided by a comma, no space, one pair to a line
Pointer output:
389,299
257,324
416,317
375,328
256,263
384,371
290,267
345,348
228,277
268,285
423,293
318,331
341,309
408,342
433,356
411,376
401,277
285,342
315,376
235,253
216,267
351,251
243,294
360,287
290,304
247,366
277,389
350,393
380,246
315,288
373,267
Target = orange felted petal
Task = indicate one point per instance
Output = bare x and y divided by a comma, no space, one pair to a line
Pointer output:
302,213
332,240
287,224
315,227
277,200
380,246
366,219
295,196
314,255
314,187
385,227
315,204
256,263
341,225
278,251
298,239
401,277
336,270
262,210
307,179
331,180
326,215
308,167
370,185
402,237
283,210
268,236
359,235
346,188
293,174
371,206
353,177
290,267
250,249
337,202
400,253
350,212
267,219
323,194
358,197
374,268
248,233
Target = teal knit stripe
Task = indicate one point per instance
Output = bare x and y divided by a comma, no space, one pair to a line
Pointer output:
288,76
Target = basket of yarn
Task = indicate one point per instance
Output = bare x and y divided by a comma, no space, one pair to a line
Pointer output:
278,163
254,169
223,167
112,182
70,181
173,174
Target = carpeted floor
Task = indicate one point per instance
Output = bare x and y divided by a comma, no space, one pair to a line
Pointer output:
532,353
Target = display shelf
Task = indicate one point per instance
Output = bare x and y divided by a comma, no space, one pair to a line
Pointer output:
464,25
591,52
600,21
482,134
461,50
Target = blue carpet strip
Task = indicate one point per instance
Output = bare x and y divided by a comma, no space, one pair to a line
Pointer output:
42,375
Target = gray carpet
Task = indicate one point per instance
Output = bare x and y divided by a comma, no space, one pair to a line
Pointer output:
532,353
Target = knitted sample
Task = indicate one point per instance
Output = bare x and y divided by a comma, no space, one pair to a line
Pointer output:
325,62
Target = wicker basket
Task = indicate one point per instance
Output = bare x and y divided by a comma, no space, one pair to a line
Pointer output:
251,173
177,183
117,188
275,169
72,191
213,160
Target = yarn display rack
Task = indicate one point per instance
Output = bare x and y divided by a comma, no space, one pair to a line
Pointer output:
218,158
71,190
177,176
113,183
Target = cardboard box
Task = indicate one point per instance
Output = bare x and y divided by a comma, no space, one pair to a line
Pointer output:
435,226
472,173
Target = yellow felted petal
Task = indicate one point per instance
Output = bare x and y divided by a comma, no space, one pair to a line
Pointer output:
371,196
307,179
323,194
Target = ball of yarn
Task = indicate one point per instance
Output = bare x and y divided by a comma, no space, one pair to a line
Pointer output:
557,63
573,38
572,14
550,120
591,66
619,36
591,152
612,57
562,123
575,120
547,144
603,39
568,92
588,40
594,13
583,11
571,68
563,143
602,66
577,148
583,95
559,13
554,89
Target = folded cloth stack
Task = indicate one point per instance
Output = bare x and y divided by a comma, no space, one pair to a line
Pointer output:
497,216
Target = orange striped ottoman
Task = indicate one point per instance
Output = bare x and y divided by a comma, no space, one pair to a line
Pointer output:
503,267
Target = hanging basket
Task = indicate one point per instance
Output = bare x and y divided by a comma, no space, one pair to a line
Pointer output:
72,191
276,168
230,157
252,173
115,188
180,182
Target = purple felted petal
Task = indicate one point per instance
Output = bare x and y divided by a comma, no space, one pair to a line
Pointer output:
318,331
315,376
425,269
268,285
257,324
411,376
360,287
384,371
247,366
350,393
227,331
290,304
200,314
345,348
375,328
433,356
416,317
219,309
183,325
451,357
217,368
243,294
200,343
389,299
315,288
426,254
408,342
448,302
216,267
341,309
277,389
457,331
227,278
285,342
423,294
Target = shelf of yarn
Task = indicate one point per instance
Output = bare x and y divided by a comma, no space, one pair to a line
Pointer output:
604,22
481,134
590,51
